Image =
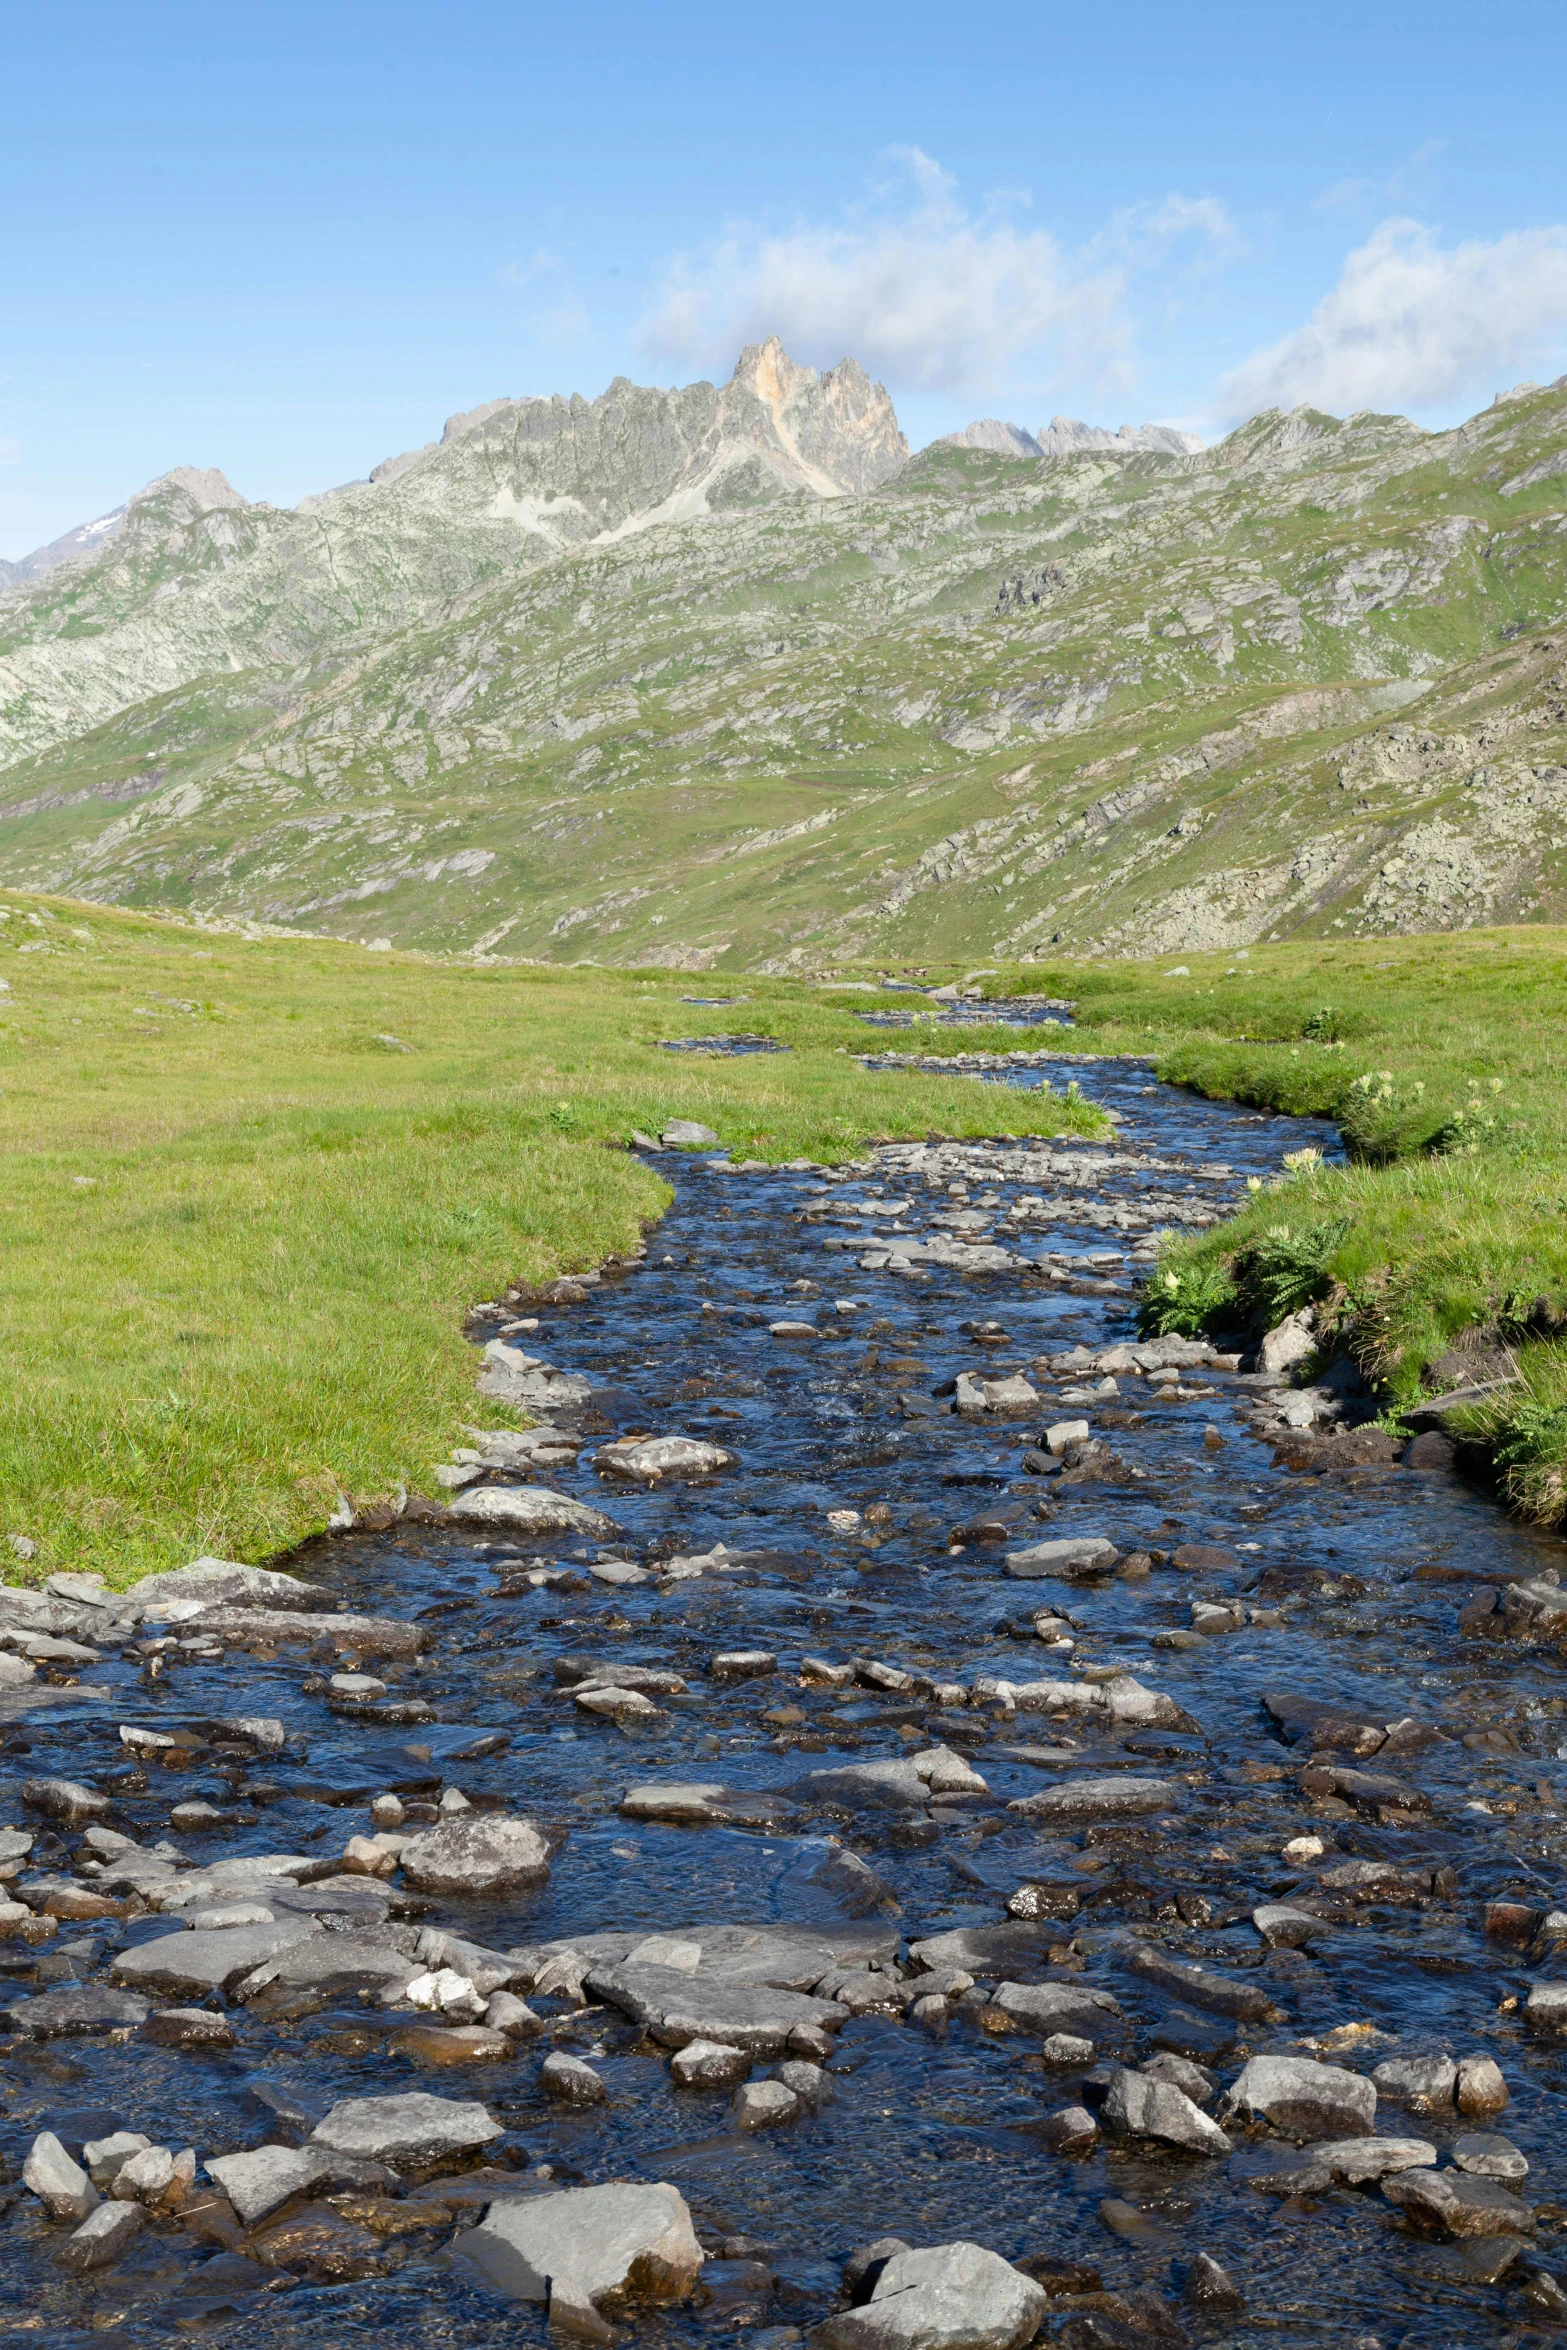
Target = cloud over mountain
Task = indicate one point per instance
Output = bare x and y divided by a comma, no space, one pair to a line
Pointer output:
925,290
1412,324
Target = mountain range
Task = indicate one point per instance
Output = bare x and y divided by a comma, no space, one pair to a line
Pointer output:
721,676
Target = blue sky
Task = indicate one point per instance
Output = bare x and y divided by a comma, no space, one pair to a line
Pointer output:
289,242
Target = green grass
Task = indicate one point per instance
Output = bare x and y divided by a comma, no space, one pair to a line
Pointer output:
1444,1060
250,1186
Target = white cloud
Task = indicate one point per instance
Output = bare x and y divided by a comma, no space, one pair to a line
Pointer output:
1351,194
1414,324
924,290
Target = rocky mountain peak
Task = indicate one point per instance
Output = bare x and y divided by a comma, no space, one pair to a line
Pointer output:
841,427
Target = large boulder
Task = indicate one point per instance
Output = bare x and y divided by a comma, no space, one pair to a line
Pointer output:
478,1852
1304,2100
1452,2203
195,1964
948,2297
676,2006
1099,1799
589,2253
1059,2007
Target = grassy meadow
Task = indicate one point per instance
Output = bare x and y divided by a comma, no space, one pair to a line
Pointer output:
249,1187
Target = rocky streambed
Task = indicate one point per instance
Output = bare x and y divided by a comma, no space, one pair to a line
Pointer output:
899,1817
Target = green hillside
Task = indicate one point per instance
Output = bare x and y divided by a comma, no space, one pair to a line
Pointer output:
1303,684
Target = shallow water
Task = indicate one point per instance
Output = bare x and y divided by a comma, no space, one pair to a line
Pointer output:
932,2135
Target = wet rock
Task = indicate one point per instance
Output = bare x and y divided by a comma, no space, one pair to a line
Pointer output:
743,1664
1046,2008
105,2157
862,2270
688,1134
677,2007
1065,2049
1545,2010
1452,2203
61,2185
1071,2131
157,2177
571,2082
357,1636
1223,1994
865,1784
1490,2158
808,2082
258,2182
188,2027
1425,2083
1100,1799
650,1460
611,1703
1304,2100
338,1965
1357,2161
486,1853
708,2064
1211,2290
65,1800
1480,2086
1284,1926
317,2242
1061,1556
589,2253
200,1963
705,1803
533,1511
1140,2107
102,2237
1288,1343
83,2008
413,2129
1198,2084
761,2105
949,2297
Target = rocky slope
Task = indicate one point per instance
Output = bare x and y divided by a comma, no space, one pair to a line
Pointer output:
714,677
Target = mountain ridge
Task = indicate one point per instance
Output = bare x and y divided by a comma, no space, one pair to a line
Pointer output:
1112,700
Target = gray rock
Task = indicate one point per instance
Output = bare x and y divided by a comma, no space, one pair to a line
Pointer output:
1490,2158
743,1664
1211,2290
1303,2100
66,1800
16,1670
865,2264
488,1971
1100,1799
411,2129
986,1950
258,2182
949,2297
677,2007
188,2027
476,1853
1480,2087
808,2082
61,2185
1049,2008
589,2252
359,1636
1198,2084
1060,1556
649,1460
511,2015
705,1803
1143,2108
340,1964
761,2105
571,2082
155,2174
77,2008
208,1583
1356,2161
1283,1926
1202,1987
1064,2048
1545,2010
1452,2203
106,2157
195,1964
102,2237
1425,2083
869,1783
1071,2131
532,1510
708,2064
687,1134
